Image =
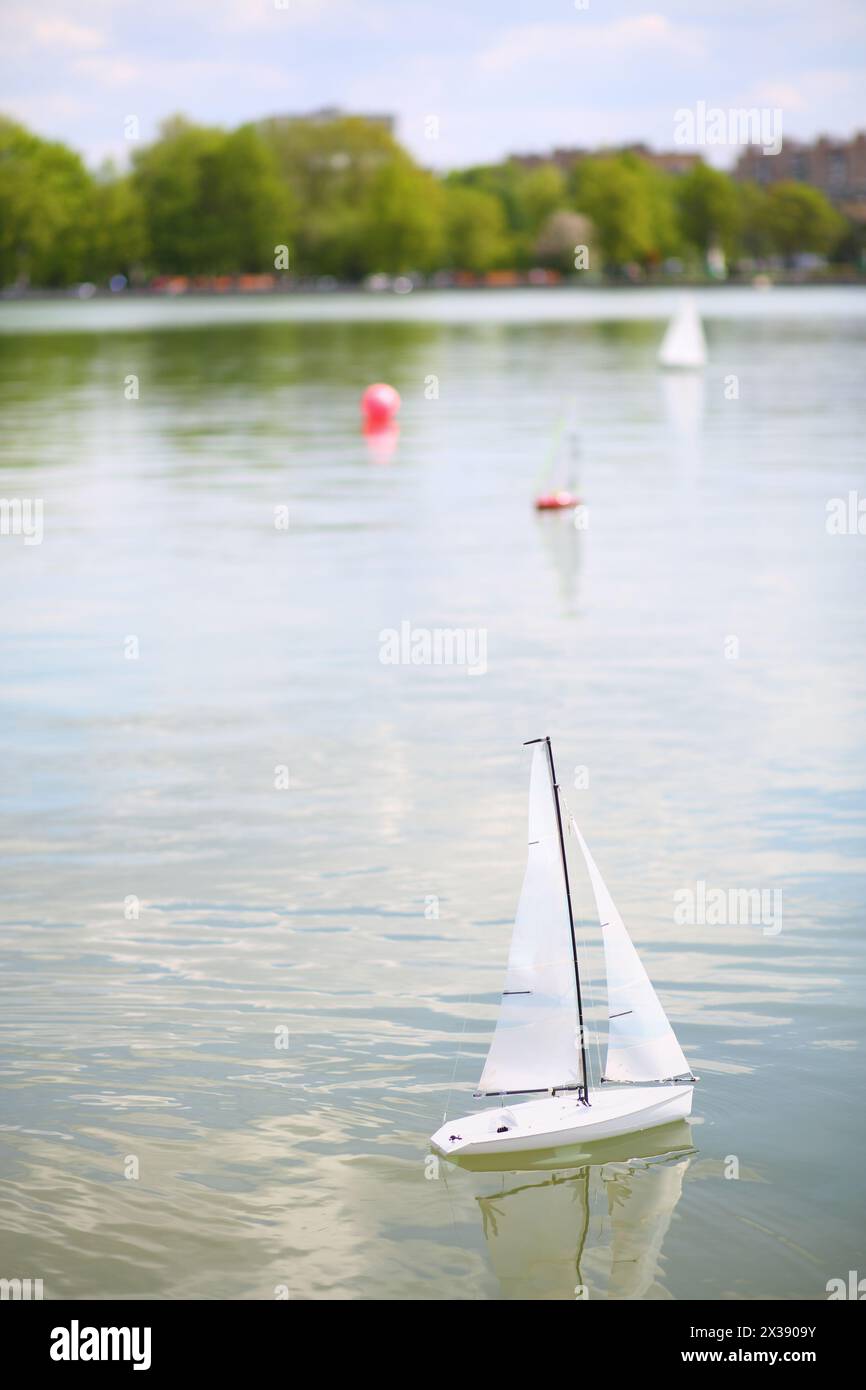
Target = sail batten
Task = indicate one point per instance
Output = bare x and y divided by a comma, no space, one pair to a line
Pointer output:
642,1045
536,1045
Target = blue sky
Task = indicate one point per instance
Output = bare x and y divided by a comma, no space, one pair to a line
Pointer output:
499,75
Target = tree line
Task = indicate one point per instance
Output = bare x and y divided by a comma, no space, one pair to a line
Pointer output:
348,201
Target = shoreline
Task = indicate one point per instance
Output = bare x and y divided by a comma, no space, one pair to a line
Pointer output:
520,305
309,290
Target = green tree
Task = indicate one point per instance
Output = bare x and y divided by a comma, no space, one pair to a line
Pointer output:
363,204
659,193
541,191
709,209
402,226
246,209
754,221
44,196
168,177
116,235
800,218
612,191
348,200
503,182
475,230
214,202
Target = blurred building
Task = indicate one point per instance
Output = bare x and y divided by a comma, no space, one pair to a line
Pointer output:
326,115
837,167
669,161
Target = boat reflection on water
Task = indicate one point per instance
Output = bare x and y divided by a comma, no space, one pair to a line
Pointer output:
592,1223
560,527
561,537
683,405
683,399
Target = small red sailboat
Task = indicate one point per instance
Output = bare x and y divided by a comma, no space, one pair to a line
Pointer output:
555,501
562,460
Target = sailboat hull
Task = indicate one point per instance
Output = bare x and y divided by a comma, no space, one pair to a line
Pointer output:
561,1120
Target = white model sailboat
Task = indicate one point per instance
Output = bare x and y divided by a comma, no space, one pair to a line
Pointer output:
539,1044
684,344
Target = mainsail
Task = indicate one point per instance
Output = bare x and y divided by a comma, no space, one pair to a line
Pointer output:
536,1046
684,344
641,1043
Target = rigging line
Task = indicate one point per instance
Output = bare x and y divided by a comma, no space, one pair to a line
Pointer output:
547,465
456,1060
557,806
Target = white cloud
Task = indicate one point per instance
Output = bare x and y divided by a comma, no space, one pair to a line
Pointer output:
26,30
828,99
781,94
56,108
180,76
111,72
255,16
67,34
645,35
498,78
245,14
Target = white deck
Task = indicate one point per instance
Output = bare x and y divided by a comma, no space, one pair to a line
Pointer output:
560,1120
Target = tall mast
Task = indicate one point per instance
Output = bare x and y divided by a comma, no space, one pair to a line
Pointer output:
583,1091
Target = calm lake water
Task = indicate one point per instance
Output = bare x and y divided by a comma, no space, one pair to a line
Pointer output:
173,913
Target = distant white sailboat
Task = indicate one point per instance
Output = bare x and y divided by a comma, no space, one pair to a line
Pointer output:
539,1044
684,345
